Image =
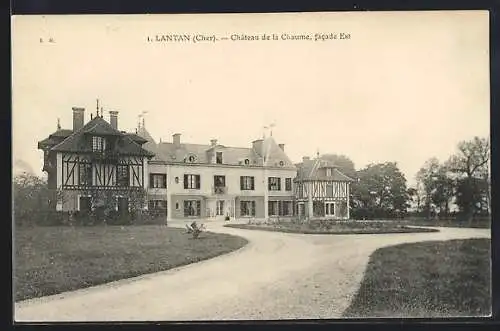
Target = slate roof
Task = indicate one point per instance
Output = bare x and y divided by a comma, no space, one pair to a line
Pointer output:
54,138
270,153
69,141
310,170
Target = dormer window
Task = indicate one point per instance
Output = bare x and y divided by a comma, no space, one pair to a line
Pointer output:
247,161
98,144
328,172
218,157
191,158
282,163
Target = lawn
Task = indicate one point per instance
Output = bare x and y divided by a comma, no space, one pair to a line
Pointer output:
428,279
481,224
50,260
332,227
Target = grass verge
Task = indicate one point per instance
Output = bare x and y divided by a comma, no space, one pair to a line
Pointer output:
50,260
428,279
334,229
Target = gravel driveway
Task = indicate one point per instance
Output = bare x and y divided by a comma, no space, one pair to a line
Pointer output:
276,276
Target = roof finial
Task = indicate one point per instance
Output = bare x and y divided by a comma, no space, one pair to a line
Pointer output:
58,124
102,111
271,126
144,119
317,153
97,106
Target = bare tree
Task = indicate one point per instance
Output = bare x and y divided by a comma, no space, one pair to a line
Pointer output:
470,166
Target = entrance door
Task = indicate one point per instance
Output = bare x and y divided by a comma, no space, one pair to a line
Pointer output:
219,207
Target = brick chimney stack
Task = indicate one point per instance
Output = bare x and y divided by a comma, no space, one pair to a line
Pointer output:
113,119
78,118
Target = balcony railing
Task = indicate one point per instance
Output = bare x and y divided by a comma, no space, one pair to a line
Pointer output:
219,190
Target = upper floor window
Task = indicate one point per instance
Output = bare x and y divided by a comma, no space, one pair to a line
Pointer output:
328,172
192,182
85,173
247,183
219,181
122,175
288,184
274,183
158,180
98,144
218,157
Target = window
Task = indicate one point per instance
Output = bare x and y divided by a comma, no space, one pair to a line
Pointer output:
286,208
329,208
158,180
219,181
122,175
85,173
328,172
219,184
280,208
247,208
288,184
98,144
273,208
192,208
220,207
247,183
192,182
85,204
218,157
282,163
191,158
247,161
274,183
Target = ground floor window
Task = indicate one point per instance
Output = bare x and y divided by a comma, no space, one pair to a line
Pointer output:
318,208
329,209
286,208
192,208
247,208
85,204
220,207
272,208
300,209
280,208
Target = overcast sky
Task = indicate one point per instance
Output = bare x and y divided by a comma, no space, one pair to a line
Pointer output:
404,87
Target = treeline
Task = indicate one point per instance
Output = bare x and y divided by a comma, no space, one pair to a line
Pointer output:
462,181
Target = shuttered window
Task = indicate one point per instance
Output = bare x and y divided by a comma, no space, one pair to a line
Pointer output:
192,182
247,183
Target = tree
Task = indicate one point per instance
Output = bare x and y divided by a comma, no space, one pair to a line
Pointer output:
381,190
31,198
471,170
437,187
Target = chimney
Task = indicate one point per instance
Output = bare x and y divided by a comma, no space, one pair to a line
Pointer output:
257,146
78,118
305,158
113,119
177,140
213,142
282,146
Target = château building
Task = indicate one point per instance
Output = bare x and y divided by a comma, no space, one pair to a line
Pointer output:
186,180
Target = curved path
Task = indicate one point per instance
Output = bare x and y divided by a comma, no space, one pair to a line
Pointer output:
275,276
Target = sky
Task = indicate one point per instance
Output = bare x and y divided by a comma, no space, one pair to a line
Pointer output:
404,87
